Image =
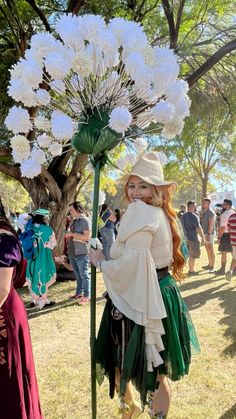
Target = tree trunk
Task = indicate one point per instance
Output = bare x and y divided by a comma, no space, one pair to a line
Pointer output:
204,186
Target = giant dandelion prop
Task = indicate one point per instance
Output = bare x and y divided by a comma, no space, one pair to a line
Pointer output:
94,86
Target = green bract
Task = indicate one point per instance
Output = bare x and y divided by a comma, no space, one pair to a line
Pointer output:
94,136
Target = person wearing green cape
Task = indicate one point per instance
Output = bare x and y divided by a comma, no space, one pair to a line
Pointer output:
41,269
146,335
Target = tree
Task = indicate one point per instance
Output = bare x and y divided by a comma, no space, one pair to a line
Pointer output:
206,148
14,197
195,30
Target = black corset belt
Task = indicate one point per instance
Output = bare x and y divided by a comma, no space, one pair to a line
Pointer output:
161,273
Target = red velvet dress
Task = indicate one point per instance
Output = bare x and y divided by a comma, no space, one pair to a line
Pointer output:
19,397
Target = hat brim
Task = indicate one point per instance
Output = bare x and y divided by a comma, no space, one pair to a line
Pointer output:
41,211
155,182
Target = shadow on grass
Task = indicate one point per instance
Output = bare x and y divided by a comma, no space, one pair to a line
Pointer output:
198,299
226,298
227,301
229,414
197,282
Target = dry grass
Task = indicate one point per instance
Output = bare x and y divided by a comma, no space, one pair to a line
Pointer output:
60,338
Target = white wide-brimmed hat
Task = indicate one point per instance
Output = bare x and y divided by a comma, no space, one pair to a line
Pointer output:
149,168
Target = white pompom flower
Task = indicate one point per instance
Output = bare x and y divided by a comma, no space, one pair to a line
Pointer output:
133,62
55,149
82,63
120,119
106,41
164,56
18,120
62,126
58,63
30,168
68,27
34,55
43,97
118,26
44,140
91,25
163,112
28,71
176,90
42,123
38,155
21,92
43,43
20,147
182,107
143,77
164,74
173,128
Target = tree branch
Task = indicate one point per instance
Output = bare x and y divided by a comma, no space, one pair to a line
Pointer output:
5,151
74,6
10,170
168,10
40,14
50,184
210,62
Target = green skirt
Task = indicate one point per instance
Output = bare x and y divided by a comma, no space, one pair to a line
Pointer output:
121,344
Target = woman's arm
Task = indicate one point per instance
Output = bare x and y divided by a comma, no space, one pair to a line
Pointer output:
5,283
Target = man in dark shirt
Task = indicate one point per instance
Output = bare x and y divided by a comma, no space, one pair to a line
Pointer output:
191,226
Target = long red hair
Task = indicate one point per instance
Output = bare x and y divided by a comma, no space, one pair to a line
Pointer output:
162,198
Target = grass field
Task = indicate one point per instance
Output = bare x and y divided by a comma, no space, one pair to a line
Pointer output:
60,336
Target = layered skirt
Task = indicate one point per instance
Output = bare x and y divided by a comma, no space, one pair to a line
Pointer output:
121,344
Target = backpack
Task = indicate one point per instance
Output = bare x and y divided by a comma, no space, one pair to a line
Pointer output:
102,223
28,239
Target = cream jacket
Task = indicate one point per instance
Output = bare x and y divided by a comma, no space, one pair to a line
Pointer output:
144,243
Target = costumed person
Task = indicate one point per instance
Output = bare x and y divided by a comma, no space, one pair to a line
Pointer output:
146,334
19,398
41,269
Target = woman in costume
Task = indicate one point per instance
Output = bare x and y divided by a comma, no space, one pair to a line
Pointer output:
19,397
146,334
41,269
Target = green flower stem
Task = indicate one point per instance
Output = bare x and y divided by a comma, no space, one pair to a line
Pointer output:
93,292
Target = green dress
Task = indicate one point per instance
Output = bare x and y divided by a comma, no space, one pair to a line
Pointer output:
135,284
41,270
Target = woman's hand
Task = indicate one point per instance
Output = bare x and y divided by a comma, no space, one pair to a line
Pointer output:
96,256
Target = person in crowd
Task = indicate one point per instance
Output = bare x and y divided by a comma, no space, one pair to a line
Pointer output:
118,218
146,333
107,230
208,220
183,209
224,235
19,397
192,228
41,269
231,226
77,249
